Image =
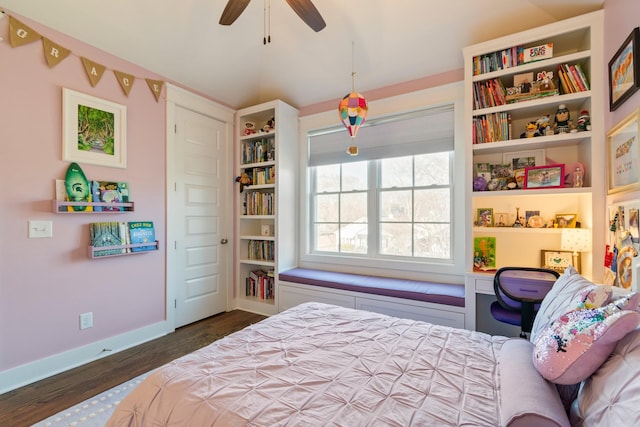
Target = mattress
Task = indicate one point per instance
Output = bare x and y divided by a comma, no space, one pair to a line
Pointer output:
323,365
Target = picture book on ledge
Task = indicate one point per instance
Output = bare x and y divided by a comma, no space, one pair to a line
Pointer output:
142,232
118,237
484,254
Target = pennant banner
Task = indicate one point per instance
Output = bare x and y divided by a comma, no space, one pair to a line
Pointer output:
125,80
20,34
53,52
156,87
94,70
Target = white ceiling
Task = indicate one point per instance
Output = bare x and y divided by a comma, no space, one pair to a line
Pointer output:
384,41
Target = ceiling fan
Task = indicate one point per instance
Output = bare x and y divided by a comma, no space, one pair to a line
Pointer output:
304,8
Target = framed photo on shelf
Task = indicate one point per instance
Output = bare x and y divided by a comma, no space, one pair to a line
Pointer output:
624,70
524,159
484,217
549,176
623,154
558,260
566,220
94,130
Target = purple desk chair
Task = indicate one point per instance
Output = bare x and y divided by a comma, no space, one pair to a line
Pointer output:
519,291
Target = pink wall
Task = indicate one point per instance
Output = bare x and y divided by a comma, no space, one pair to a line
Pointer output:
620,17
46,283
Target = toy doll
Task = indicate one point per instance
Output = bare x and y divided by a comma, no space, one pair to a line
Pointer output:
562,120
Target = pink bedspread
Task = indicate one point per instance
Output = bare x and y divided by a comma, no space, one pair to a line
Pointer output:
322,365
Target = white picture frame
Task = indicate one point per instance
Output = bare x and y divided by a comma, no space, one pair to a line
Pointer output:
623,152
538,157
94,130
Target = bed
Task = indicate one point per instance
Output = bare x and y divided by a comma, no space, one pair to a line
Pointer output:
323,365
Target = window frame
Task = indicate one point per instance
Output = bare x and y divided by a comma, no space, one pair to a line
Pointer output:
450,271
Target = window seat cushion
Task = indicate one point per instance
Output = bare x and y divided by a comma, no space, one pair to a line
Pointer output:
438,293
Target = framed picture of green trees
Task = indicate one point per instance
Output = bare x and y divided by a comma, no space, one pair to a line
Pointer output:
93,130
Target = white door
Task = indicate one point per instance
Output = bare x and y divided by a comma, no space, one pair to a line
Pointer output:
197,262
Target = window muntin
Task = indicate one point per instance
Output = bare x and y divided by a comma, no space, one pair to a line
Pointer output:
409,202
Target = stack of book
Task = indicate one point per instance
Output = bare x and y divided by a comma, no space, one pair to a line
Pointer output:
259,284
572,78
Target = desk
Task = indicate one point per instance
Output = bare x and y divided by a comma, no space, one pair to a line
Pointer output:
475,283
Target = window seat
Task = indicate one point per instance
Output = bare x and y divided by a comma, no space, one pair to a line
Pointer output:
429,292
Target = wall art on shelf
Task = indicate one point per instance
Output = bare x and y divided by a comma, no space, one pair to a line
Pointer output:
484,253
484,217
624,71
566,220
623,154
557,260
549,176
94,130
523,159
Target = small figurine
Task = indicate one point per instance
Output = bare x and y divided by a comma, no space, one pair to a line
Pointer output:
270,125
249,128
544,126
584,121
244,180
479,183
531,130
562,121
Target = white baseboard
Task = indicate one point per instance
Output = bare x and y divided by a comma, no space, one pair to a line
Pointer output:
31,372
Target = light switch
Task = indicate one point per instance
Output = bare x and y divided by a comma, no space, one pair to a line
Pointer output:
40,229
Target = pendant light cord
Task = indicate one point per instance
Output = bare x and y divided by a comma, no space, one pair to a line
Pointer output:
353,73
266,33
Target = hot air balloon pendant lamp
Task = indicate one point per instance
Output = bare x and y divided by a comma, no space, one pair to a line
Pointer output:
353,110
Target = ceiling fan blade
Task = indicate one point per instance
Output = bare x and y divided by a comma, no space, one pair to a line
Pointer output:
232,11
308,13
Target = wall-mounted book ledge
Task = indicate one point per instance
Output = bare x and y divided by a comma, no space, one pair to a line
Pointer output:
119,250
63,206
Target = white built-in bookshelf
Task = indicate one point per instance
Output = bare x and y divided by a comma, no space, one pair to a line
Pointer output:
266,147
508,87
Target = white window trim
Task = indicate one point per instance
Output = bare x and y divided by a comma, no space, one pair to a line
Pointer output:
445,271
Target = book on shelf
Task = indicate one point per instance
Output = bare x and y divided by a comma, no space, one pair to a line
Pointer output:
573,78
491,128
257,151
510,57
109,192
260,284
484,253
142,232
113,233
262,250
106,234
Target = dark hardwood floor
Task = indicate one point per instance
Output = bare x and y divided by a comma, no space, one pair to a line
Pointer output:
35,402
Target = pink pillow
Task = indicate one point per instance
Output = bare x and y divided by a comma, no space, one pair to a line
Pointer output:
578,342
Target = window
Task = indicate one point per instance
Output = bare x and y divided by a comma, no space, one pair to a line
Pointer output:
394,200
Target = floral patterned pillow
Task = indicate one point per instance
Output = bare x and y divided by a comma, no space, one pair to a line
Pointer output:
578,342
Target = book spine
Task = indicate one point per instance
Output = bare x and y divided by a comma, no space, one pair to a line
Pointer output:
577,78
583,76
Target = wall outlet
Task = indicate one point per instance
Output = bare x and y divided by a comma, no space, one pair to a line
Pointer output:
86,320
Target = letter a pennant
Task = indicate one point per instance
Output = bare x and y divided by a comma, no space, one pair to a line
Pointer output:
53,52
20,34
125,80
94,70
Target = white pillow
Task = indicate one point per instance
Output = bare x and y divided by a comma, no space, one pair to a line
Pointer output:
609,397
